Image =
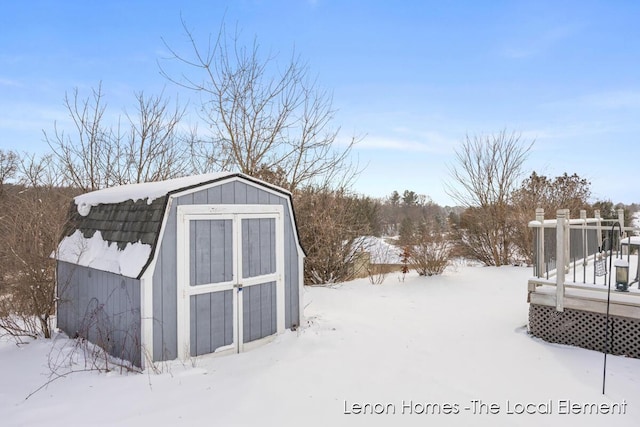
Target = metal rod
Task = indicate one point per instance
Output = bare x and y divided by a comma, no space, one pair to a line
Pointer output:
546,266
606,327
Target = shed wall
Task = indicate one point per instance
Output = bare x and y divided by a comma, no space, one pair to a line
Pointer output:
165,274
101,307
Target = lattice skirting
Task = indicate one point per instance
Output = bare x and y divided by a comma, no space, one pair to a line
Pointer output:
585,329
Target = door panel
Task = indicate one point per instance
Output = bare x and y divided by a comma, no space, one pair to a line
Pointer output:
211,321
258,237
259,311
211,261
258,247
210,251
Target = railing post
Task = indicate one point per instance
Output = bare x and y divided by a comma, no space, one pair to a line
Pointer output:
560,254
567,238
540,242
596,215
583,217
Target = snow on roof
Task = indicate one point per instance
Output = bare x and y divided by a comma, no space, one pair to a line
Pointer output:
97,253
147,190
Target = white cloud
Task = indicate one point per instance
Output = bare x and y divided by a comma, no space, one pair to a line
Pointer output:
30,116
537,44
604,100
612,99
583,133
384,143
9,82
405,140
408,139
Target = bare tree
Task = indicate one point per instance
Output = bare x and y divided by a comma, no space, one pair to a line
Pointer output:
86,159
8,167
153,150
261,118
537,191
39,171
487,172
147,147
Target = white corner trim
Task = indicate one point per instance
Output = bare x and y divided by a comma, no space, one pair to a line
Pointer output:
183,325
280,284
146,319
301,288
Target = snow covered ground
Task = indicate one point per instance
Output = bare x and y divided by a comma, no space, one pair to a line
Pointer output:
455,345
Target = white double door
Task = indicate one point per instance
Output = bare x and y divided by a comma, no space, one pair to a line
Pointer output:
230,277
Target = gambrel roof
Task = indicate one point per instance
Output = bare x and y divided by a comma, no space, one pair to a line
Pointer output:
117,229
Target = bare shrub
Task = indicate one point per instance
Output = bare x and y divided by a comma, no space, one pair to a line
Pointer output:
79,355
30,226
96,353
69,356
378,273
330,222
431,255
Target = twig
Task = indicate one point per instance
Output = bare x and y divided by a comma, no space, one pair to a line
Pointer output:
53,379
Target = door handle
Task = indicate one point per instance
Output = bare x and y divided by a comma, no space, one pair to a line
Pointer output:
238,286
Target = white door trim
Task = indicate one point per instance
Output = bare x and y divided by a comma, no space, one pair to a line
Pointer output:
236,213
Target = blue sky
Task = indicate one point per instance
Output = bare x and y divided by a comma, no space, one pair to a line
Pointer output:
411,77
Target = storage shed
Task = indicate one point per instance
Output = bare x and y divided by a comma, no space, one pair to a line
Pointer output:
179,268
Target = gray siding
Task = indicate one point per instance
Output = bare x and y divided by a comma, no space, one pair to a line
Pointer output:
165,276
101,307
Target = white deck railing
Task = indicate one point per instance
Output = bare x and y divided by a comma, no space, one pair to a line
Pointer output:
567,251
